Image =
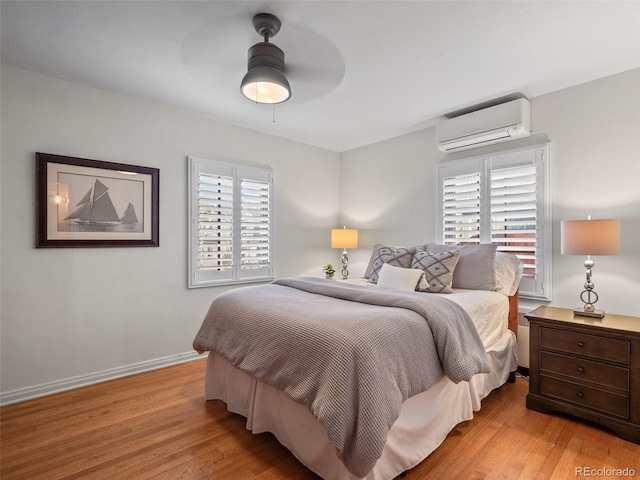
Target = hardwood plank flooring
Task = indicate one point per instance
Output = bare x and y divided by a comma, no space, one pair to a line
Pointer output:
157,425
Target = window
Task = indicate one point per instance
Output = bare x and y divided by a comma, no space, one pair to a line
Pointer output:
504,199
230,223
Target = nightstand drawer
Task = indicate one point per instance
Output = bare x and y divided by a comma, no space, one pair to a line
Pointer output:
585,370
592,398
611,349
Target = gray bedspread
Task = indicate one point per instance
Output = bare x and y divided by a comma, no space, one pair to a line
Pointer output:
351,354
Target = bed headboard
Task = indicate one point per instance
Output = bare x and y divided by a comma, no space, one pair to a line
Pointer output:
513,325
513,313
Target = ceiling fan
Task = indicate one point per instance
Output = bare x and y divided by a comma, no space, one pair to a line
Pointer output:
268,78
265,81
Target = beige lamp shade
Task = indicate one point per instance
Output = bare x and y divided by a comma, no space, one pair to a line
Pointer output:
344,238
590,237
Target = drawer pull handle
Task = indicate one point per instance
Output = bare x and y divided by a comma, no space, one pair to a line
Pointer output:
581,344
580,370
580,395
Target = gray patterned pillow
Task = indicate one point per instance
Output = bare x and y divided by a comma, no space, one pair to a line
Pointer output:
438,269
398,257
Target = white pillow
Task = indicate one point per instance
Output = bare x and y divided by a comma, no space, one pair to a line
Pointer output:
508,270
405,279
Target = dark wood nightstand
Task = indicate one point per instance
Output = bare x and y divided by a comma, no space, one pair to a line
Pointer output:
586,367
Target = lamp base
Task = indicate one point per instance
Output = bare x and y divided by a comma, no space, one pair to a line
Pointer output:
581,312
345,264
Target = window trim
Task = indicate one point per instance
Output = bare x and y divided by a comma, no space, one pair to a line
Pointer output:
239,173
542,288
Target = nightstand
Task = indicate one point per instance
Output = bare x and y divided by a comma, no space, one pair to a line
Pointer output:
586,367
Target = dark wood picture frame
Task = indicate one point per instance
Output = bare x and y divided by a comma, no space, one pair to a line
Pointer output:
93,203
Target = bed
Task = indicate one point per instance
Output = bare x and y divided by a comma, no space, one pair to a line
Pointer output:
386,365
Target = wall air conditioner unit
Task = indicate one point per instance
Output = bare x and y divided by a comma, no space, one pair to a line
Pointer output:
499,123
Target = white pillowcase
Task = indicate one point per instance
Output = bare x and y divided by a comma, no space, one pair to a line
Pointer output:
399,278
508,269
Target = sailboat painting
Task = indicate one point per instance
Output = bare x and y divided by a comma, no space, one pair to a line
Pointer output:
93,202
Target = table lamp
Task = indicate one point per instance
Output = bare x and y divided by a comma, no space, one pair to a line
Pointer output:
589,237
344,238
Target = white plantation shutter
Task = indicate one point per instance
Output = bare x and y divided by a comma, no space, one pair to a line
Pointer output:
501,199
255,234
461,208
230,234
215,223
514,214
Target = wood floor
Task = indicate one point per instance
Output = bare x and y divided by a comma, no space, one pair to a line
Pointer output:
158,425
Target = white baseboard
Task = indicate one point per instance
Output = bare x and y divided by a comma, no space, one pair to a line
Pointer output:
36,391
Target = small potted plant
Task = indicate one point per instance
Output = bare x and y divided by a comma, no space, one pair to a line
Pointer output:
329,271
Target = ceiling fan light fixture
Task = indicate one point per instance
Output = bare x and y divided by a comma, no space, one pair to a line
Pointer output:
266,85
265,81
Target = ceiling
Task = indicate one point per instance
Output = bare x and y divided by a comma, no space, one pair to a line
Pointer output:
360,71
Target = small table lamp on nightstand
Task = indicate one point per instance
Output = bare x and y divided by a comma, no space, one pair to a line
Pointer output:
344,238
590,237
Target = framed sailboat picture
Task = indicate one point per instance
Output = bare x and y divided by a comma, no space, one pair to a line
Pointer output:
93,203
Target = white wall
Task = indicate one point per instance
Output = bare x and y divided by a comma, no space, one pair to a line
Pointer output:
387,192
595,132
74,315
388,189
69,316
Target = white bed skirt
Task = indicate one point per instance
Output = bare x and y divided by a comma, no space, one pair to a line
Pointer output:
424,422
